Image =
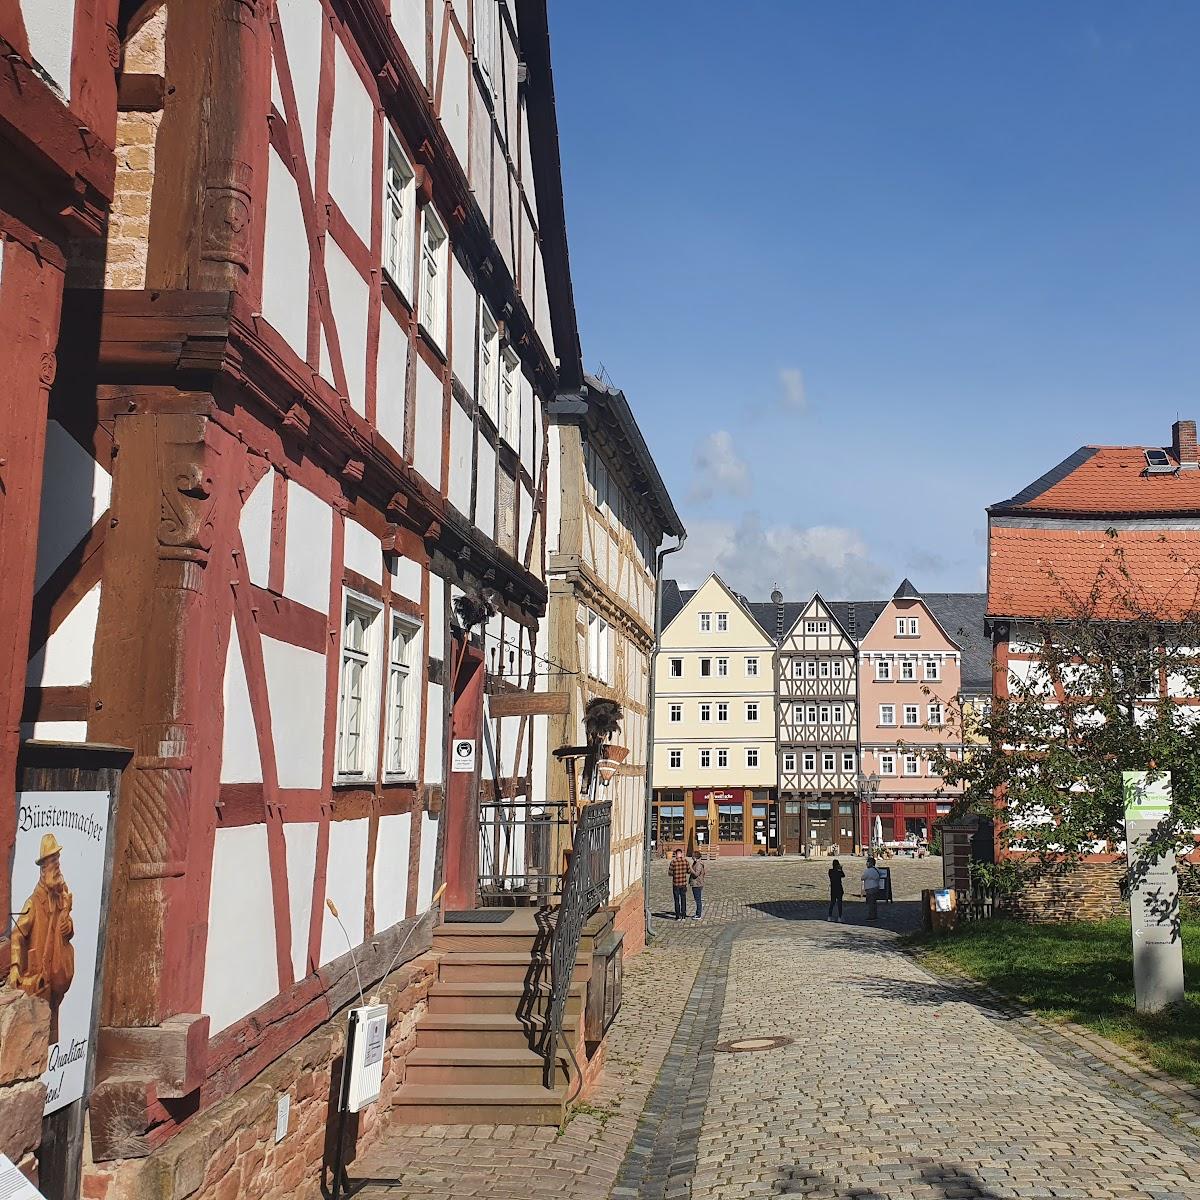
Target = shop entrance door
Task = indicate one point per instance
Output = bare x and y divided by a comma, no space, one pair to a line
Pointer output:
793,824
845,827
820,826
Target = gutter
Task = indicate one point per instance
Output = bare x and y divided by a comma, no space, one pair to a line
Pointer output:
658,575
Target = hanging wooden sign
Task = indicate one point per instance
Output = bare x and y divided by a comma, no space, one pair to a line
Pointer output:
529,704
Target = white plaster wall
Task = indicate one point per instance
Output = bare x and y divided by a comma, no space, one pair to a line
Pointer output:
240,968
427,447
408,19
541,308
285,259
54,731
391,870
462,440
502,217
349,296
66,658
254,524
508,742
485,489
539,786
50,27
406,577
75,492
392,372
528,403
525,521
301,24
307,548
435,739
525,249
437,622
240,762
362,551
464,319
300,841
425,873
456,97
296,693
351,142
480,173
346,886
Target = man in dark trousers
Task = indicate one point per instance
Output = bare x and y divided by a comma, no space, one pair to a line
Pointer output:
697,872
680,873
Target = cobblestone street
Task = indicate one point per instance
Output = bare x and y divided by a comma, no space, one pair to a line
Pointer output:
892,1084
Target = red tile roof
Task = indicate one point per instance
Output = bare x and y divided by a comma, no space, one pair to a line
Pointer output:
1045,573
1108,480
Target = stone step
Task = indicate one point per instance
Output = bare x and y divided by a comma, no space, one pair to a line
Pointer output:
518,932
464,1066
499,966
504,998
444,1104
483,1030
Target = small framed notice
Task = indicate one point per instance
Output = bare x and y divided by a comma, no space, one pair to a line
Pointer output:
14,1185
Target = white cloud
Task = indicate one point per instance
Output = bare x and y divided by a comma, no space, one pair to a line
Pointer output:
752,558
791,380
719,469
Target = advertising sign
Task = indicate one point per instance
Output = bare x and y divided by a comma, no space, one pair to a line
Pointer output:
57,882
1153,895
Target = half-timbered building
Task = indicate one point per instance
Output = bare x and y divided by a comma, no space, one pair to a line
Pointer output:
294,527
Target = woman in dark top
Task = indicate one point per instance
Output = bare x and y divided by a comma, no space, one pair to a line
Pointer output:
836,874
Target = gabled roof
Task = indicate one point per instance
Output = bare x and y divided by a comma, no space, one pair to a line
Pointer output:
671,588
1100,481
961,616
906,591
794,612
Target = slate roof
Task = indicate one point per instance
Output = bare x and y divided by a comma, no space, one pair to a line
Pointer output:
1098,481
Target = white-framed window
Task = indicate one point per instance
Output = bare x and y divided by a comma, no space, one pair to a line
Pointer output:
723,756
848,761
887,714
933,670
722,622
489,358
838,714
705,759
837,668
723,712
824,669
722,666
789,761
825,714
887,764
705,712
675,668
812,714
797,668
705,622
908,669
933,771
906,627
883,670
751,710
358,688
935,714
752,756
751,667
706,666
510,425
599,647
816,626
399,207
676,714
912,714
435,253
827,761
400,751
810,761
675,759
487,42
912,765
810,668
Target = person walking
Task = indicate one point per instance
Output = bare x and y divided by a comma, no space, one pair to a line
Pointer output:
872,882
680,872
697,872
836,890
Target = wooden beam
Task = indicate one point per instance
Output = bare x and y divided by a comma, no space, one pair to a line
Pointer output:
528,704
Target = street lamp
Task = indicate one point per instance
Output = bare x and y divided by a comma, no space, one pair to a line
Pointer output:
868,787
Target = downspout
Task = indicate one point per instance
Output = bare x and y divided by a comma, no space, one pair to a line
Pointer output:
662,554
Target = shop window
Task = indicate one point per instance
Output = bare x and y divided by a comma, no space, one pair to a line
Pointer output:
670,822
731,823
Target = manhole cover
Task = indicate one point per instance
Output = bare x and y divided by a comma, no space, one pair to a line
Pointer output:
748,1045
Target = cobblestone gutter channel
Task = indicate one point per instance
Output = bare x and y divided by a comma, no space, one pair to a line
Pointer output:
661,1160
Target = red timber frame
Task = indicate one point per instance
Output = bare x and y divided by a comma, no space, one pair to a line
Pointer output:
194,397
56,185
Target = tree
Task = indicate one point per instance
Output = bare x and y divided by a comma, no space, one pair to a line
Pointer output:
1111,683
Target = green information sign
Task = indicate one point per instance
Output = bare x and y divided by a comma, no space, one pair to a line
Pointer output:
1146,798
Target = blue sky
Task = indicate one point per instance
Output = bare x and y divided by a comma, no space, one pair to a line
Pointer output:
863,267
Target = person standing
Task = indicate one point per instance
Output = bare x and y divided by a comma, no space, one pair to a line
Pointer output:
697,872
872,882
680,873
836,890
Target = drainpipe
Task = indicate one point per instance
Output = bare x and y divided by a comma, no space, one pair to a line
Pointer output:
650,731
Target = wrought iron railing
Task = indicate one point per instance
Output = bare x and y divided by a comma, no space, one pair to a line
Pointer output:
585,889
518,845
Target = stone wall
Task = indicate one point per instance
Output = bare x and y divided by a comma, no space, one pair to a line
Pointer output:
24,1044
229,1152
1087,891
630,919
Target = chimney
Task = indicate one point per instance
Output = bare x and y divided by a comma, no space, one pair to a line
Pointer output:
1183,445
777,600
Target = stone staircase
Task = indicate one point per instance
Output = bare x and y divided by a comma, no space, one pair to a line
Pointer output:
474,1062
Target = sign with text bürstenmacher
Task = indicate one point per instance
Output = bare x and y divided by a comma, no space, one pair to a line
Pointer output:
1153,895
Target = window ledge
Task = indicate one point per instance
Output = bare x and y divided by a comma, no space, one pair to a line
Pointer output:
431,340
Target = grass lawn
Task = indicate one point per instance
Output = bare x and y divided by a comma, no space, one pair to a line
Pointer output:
1081,972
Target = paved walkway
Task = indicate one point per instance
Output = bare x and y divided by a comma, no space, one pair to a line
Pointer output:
894,1085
